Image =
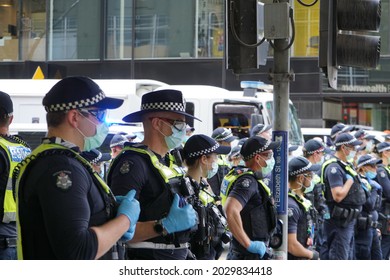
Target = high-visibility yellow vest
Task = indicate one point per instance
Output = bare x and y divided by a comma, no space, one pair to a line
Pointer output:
16,152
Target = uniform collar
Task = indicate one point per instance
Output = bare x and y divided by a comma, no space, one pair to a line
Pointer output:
59,141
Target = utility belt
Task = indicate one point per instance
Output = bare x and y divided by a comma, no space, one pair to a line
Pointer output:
364,223
344,216
7,242
157,246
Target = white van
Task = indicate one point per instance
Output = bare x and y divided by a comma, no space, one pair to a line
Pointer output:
231,109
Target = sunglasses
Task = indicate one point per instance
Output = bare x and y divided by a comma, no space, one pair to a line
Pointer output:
308,175
177,124
267,155
100,115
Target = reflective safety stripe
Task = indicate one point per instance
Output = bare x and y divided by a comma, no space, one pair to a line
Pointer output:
156,246
22,168
301,200
166,172
16,153
232,177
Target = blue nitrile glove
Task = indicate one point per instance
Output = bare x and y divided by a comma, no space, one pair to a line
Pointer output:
257,247
179,219
374,184
349,177
129,207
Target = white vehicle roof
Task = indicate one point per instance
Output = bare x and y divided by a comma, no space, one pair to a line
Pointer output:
27,95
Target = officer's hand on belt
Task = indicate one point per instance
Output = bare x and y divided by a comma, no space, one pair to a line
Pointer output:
179,218
257,247
129,207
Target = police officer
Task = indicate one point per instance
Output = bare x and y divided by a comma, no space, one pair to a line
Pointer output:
367,243
248,203
117,143
314,151
224,137
65,210
300,210
344,196
383,178
12,151
163,230
98,161
338,129
262,130
200,155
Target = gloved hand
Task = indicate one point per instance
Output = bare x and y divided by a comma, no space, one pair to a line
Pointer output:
349,177
374,184
257,247
129,207
179,219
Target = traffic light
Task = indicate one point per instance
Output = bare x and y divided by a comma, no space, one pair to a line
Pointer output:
245,47
349,35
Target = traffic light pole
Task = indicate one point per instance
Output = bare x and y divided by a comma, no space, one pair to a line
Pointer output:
281,77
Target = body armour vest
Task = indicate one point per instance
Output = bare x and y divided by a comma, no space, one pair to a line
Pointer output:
47,149
172,182
305,229
259,221
356,196
16,152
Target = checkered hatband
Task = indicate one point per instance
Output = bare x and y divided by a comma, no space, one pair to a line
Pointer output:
166,106
262,149
346,142
83,103
96,160
203,152
303,169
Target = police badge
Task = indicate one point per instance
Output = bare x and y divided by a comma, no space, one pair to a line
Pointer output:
63,181
125,168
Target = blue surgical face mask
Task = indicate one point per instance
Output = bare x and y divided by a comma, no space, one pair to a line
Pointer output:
370,174
213,171
241,163
97,140
369,145
351,155
310,187
270,165
175,139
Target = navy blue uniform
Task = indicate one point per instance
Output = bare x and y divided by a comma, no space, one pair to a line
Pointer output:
367,241
383,178
134,171
58,203
338,233
246,191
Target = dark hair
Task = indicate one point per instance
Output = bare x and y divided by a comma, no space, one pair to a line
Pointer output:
192,161
54,119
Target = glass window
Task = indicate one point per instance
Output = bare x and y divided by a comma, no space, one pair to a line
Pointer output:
74,30
166,28
307,22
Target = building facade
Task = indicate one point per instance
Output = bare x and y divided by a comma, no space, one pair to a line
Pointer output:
181,42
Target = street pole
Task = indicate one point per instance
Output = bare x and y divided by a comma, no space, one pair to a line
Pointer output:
281,77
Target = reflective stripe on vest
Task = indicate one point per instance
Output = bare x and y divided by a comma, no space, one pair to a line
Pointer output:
166,172
347,168
231,177
22,168
16,153
306,204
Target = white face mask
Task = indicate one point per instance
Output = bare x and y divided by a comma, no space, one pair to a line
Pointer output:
213,171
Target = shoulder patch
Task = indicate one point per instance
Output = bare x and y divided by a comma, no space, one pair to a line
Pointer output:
246,183
63,181
333,170
289,212
125,167
382,174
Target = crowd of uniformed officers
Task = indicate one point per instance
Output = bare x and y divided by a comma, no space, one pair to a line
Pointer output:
180,195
